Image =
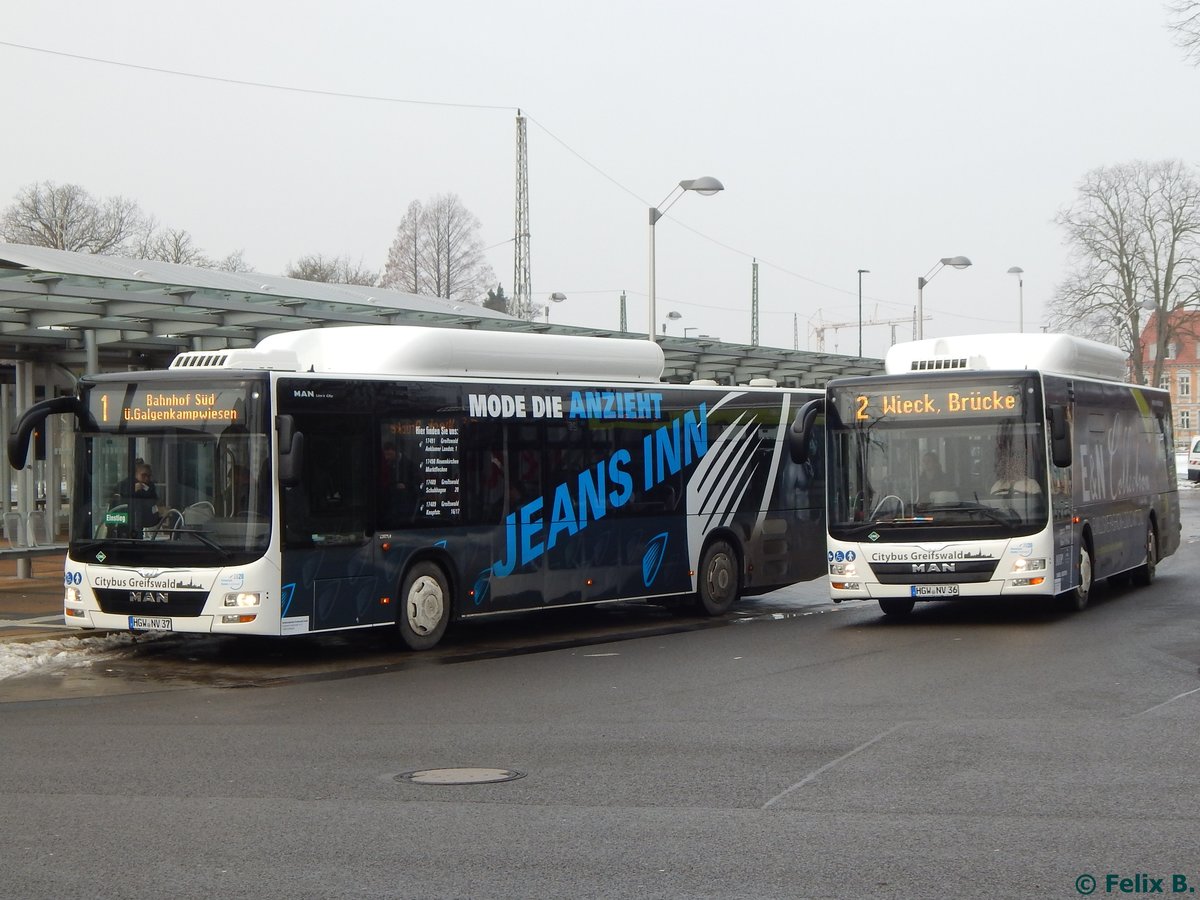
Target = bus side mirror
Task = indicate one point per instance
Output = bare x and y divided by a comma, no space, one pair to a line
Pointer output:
291,451
800,434
1060,437
32,427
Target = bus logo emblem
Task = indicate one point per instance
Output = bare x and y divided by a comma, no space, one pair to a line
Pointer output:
148,597
652,559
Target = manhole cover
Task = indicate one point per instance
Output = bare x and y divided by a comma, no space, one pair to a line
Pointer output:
466,775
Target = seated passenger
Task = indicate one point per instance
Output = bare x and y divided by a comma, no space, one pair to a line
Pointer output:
1012,477
935,485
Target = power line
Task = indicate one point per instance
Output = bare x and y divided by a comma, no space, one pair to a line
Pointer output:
379,98
375,98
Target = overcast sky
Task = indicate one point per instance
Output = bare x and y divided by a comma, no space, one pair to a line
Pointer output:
874,135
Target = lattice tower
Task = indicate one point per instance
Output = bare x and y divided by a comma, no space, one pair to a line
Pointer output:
522,299
754,304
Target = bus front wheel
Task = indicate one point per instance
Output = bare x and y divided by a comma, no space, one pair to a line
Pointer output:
1077,598
1143,575
718,585
425,606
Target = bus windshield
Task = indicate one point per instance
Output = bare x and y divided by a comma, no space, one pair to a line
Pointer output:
910,458
175,474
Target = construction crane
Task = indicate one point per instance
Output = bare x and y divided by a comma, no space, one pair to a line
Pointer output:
820,328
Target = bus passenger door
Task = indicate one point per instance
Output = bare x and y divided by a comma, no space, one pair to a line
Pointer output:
328,554
1063,501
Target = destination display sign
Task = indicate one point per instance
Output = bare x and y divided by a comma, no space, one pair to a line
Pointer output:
434,451
130,406
929,402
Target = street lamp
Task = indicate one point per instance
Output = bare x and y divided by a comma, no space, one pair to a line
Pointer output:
705,187
1018,271
672,316
556,297
954,262
861,273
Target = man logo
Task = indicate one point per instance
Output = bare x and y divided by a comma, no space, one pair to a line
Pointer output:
932,567
149,597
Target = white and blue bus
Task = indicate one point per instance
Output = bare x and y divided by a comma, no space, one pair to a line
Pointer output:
372,476
1011,465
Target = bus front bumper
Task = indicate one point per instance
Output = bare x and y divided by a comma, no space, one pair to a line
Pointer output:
841,588
237,622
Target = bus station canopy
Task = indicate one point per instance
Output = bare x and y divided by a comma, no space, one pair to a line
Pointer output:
87,312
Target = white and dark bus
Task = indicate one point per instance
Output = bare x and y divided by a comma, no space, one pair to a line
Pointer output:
994,465
371,476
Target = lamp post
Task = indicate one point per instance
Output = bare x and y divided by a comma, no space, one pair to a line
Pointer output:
690,328
861,273
954,262
556,297
672,316
1018,271
705,187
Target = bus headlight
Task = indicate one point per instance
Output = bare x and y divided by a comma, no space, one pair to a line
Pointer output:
843,569
73,595
1029,565
242,598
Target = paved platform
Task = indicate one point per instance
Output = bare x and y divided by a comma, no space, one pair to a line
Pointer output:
31,608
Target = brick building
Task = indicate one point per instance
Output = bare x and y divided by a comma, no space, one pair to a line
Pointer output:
1181,371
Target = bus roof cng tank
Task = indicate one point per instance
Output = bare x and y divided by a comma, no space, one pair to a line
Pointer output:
441,352
1060,353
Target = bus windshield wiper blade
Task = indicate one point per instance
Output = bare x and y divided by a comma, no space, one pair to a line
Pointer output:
88,546
860,528
204,539
994,514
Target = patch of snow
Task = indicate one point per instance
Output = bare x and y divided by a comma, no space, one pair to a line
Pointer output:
17,658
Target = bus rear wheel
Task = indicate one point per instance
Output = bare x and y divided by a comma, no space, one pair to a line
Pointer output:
1143,575
896,606
425,606
718,585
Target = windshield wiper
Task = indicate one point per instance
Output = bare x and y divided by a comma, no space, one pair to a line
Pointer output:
995,515
856,528
87,546
204,539
934,518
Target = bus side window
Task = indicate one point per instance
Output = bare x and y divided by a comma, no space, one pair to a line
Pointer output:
331,501
398,473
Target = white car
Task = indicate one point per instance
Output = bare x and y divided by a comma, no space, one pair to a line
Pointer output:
1194,461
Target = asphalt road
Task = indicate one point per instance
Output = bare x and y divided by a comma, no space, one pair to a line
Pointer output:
985,750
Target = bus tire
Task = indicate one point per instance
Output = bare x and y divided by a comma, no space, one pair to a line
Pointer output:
1077,598
1143,575
718,586
896,606
424,606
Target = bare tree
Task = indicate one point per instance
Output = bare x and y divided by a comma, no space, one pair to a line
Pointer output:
405,269
1133,233
174,245
1184,23
331,269
234,262
437,252
67,217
